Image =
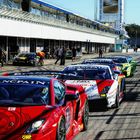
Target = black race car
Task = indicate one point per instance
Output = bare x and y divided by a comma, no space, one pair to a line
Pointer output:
25,59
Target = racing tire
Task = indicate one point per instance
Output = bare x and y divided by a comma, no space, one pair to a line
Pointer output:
117,103
35,64
124,91
61,130
14,64
85,117
131,74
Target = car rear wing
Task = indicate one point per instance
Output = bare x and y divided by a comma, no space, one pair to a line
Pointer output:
57,74
34,72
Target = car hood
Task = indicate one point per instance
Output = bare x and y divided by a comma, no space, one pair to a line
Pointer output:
14,119
93,88
21,58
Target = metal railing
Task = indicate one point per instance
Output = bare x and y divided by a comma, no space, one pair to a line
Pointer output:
17,14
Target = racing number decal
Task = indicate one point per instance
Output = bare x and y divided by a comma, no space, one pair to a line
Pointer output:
68,118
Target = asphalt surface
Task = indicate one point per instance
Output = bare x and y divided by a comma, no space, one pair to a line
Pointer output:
111,124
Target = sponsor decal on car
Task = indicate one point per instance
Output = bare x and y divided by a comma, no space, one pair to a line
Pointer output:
14,81
68,118
87,67
26,137
11,108
90,87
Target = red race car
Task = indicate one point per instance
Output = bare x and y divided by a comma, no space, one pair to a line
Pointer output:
37,108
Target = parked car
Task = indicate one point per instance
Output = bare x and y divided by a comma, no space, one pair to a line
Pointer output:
37,108
69,54
26,59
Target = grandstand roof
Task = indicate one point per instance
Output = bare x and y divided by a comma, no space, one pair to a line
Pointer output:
51,6
42,2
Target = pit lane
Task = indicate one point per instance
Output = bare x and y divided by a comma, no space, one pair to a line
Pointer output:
117,124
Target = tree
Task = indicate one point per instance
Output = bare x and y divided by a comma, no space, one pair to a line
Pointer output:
134,34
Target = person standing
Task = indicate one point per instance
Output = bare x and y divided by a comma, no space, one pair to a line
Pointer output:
58,56
41,55
73,53
63,56
100,52
1,57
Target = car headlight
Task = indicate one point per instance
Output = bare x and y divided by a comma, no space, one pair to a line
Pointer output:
35,126
104,91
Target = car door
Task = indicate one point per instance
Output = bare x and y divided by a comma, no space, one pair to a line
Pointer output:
133,65
59,92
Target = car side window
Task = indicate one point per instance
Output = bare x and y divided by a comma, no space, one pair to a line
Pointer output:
59,91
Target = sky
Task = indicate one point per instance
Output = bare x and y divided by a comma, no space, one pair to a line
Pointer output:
85,8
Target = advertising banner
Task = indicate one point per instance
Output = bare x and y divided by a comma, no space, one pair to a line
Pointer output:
110,6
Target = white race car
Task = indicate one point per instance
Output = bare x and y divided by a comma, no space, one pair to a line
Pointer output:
100,83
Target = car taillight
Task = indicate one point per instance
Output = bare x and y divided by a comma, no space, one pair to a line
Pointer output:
5,74
115,68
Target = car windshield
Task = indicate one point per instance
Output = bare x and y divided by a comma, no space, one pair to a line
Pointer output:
111,65
25,55
98,62
69,77
23,95
90,74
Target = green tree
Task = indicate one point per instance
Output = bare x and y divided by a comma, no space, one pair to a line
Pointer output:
133,30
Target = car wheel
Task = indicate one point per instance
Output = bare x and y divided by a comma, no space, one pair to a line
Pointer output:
85,116
131,74
61,130
124,91
14,64
117,103
35,64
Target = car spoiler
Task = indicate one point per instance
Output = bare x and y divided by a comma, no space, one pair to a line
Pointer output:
35,72
43,73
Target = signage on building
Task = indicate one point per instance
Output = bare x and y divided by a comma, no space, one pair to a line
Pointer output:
110,6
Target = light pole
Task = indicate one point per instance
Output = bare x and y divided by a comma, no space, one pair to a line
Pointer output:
136,40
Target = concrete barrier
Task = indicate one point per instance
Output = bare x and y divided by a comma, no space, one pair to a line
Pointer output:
130,50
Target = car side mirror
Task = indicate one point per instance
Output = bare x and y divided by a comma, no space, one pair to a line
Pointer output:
115,76
71,97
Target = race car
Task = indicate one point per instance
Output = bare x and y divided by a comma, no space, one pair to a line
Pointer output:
103,61
100,82
37,108
128,65
26,59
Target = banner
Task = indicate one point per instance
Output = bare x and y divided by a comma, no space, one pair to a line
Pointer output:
110,6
